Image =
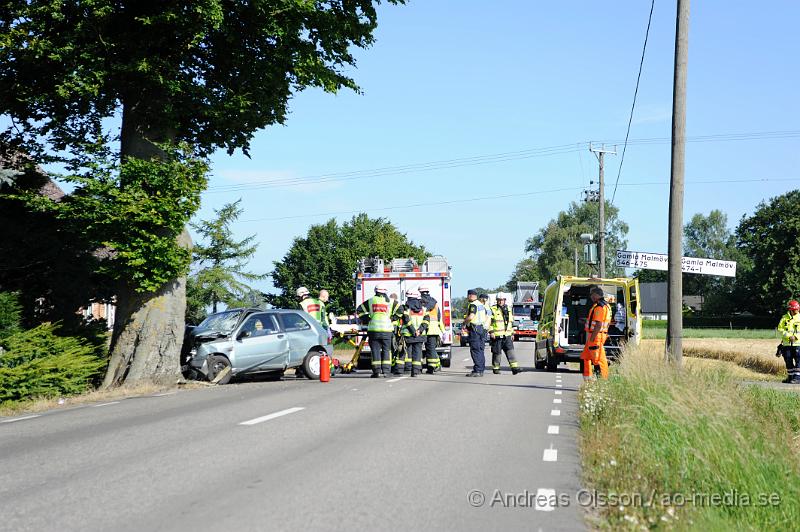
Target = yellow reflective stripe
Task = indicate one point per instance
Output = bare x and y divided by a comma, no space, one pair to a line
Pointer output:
514,364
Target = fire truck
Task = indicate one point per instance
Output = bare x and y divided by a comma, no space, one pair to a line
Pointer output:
401,275
527,309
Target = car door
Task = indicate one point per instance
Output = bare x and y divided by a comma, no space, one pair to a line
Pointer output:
301,335
633,310
260,344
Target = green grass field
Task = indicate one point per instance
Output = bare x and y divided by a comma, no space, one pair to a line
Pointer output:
689,450
659,333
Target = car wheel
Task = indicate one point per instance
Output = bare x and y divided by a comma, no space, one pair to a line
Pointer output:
552,363
217,363
311,365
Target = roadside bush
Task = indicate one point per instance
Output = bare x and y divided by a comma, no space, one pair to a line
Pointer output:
39,363
10,314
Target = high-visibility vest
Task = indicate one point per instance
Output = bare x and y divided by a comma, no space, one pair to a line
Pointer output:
435,325
479,315
789,326
487,320
501,327
381,313
316,308
600,313
419,320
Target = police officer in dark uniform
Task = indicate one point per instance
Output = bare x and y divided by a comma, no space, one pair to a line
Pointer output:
474,322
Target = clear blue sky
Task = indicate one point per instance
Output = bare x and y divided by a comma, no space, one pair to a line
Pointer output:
451,80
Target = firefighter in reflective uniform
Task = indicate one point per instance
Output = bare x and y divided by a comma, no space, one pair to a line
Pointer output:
596,334
789,327
313,306
414,326
377,313
501,335
435,329
474,322
316,308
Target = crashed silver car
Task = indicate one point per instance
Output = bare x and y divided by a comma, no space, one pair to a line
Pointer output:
255,341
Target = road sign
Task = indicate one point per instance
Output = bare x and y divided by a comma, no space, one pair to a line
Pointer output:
658,261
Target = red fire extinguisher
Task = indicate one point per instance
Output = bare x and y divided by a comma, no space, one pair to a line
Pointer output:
324,368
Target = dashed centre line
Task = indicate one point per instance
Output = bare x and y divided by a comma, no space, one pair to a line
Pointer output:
545,498
397,379
550,455
273,415
553,429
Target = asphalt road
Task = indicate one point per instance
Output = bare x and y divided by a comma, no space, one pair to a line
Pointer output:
436,452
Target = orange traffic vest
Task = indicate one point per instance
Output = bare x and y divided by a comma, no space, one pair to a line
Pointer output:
600,313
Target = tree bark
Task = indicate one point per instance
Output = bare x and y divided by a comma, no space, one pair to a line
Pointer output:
149,327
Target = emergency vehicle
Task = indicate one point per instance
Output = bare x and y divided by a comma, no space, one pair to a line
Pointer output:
401,275
566,306
526,308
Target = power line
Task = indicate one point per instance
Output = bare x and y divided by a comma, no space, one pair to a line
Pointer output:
507,196
484,159
633,105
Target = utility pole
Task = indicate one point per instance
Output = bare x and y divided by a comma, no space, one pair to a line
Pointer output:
601,231
675,281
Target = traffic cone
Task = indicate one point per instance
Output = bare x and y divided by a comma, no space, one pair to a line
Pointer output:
324,368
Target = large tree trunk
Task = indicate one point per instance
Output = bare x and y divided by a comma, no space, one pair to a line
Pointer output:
149,327
148,333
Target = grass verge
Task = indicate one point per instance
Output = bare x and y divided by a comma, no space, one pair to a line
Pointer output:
660,333
752,354
690,449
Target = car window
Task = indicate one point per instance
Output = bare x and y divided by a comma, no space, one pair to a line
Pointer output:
294,322
221,321
260,325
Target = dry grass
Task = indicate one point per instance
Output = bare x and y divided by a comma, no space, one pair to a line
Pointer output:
94,396
757,355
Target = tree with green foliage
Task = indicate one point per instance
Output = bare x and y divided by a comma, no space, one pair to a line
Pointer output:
552,249
768,238
526,270
220,276
327,257
10,314
174,81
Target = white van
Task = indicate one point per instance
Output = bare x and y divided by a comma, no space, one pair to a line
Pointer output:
566,305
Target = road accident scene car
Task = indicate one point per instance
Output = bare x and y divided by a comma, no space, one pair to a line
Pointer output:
246,341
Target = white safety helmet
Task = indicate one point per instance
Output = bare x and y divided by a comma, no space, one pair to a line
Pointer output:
424,288
500,295
412,293
381,288
302,291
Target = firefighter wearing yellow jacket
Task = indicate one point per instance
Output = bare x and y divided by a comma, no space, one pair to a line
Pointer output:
501,335
789,327
378,313
414,324
435,329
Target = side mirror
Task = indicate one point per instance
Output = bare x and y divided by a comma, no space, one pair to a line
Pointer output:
244,334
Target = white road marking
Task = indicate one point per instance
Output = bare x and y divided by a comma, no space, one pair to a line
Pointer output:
555,412
545,498
556,401
19,419
466,360
558,385
550,455
397,379
163,394
273,415
553,429
106,404
559,392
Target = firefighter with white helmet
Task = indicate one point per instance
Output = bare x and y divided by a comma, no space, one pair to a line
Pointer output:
414,324
377,313
789,327
313,306
435,328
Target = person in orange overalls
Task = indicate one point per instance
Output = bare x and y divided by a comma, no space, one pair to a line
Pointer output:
596,334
